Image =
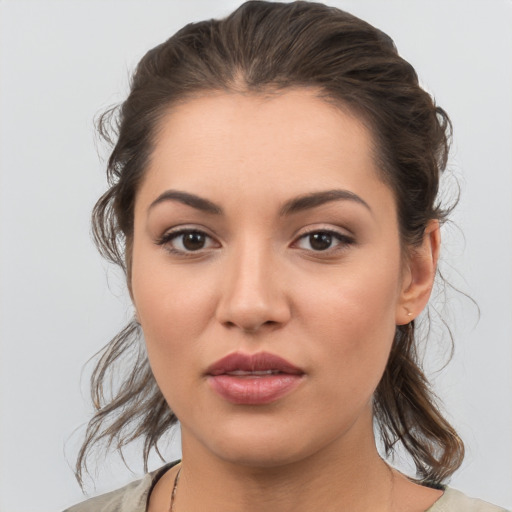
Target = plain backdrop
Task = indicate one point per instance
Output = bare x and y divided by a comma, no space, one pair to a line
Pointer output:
61,63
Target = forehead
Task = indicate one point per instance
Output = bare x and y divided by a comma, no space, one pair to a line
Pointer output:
273,146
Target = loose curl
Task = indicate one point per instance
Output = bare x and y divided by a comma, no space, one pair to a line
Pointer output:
261,47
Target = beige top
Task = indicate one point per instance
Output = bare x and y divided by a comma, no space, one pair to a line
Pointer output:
134,498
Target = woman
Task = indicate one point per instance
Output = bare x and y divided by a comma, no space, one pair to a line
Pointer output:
273,203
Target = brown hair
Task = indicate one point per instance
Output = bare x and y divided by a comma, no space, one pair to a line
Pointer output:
273,46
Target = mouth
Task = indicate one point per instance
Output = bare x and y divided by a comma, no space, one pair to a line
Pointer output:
255,379
255,373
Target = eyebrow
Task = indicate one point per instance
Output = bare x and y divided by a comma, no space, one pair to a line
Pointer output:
192,200
315,199
295,205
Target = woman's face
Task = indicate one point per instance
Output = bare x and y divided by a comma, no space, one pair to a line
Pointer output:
267,275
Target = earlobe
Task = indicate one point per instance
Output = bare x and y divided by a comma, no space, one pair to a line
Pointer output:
419,279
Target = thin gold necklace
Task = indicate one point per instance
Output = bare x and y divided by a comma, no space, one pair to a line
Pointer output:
175,486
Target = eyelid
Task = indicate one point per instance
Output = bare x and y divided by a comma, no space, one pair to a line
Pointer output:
324,228
173,233
343,238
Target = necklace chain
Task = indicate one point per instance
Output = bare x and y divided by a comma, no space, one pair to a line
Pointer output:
175,486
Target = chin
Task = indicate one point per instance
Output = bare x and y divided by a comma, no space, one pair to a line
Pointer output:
262,455
265,443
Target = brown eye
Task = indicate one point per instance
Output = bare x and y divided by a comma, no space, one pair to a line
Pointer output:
319,241
186,241
193,241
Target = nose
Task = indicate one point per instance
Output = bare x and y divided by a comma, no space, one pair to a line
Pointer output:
252,293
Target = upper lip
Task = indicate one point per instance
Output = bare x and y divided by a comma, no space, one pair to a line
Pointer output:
262,361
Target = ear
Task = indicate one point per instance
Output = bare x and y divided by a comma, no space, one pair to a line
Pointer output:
419,275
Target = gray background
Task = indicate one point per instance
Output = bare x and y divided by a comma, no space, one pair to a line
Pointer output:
64,61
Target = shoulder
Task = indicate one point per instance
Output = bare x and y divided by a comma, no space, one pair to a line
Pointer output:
130,498
456,501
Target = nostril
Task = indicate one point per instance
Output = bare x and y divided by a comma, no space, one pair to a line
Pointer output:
250,302
251,329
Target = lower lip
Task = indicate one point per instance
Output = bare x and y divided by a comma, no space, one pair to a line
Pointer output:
254,390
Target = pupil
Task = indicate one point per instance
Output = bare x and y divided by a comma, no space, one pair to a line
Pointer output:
320,241
193,241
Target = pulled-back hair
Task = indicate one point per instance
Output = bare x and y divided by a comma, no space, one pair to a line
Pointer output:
263,47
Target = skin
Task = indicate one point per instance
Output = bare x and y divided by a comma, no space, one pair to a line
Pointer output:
258,284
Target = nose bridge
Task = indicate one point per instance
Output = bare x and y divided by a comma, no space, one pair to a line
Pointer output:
251,265
253,293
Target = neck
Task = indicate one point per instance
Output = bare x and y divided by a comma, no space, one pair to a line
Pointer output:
343,476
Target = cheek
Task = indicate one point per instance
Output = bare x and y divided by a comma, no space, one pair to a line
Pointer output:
363,299
173,309
353,320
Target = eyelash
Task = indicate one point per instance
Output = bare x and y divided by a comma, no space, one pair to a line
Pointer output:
167,238
343,241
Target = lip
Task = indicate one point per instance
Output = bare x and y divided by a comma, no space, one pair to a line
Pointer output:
253,379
